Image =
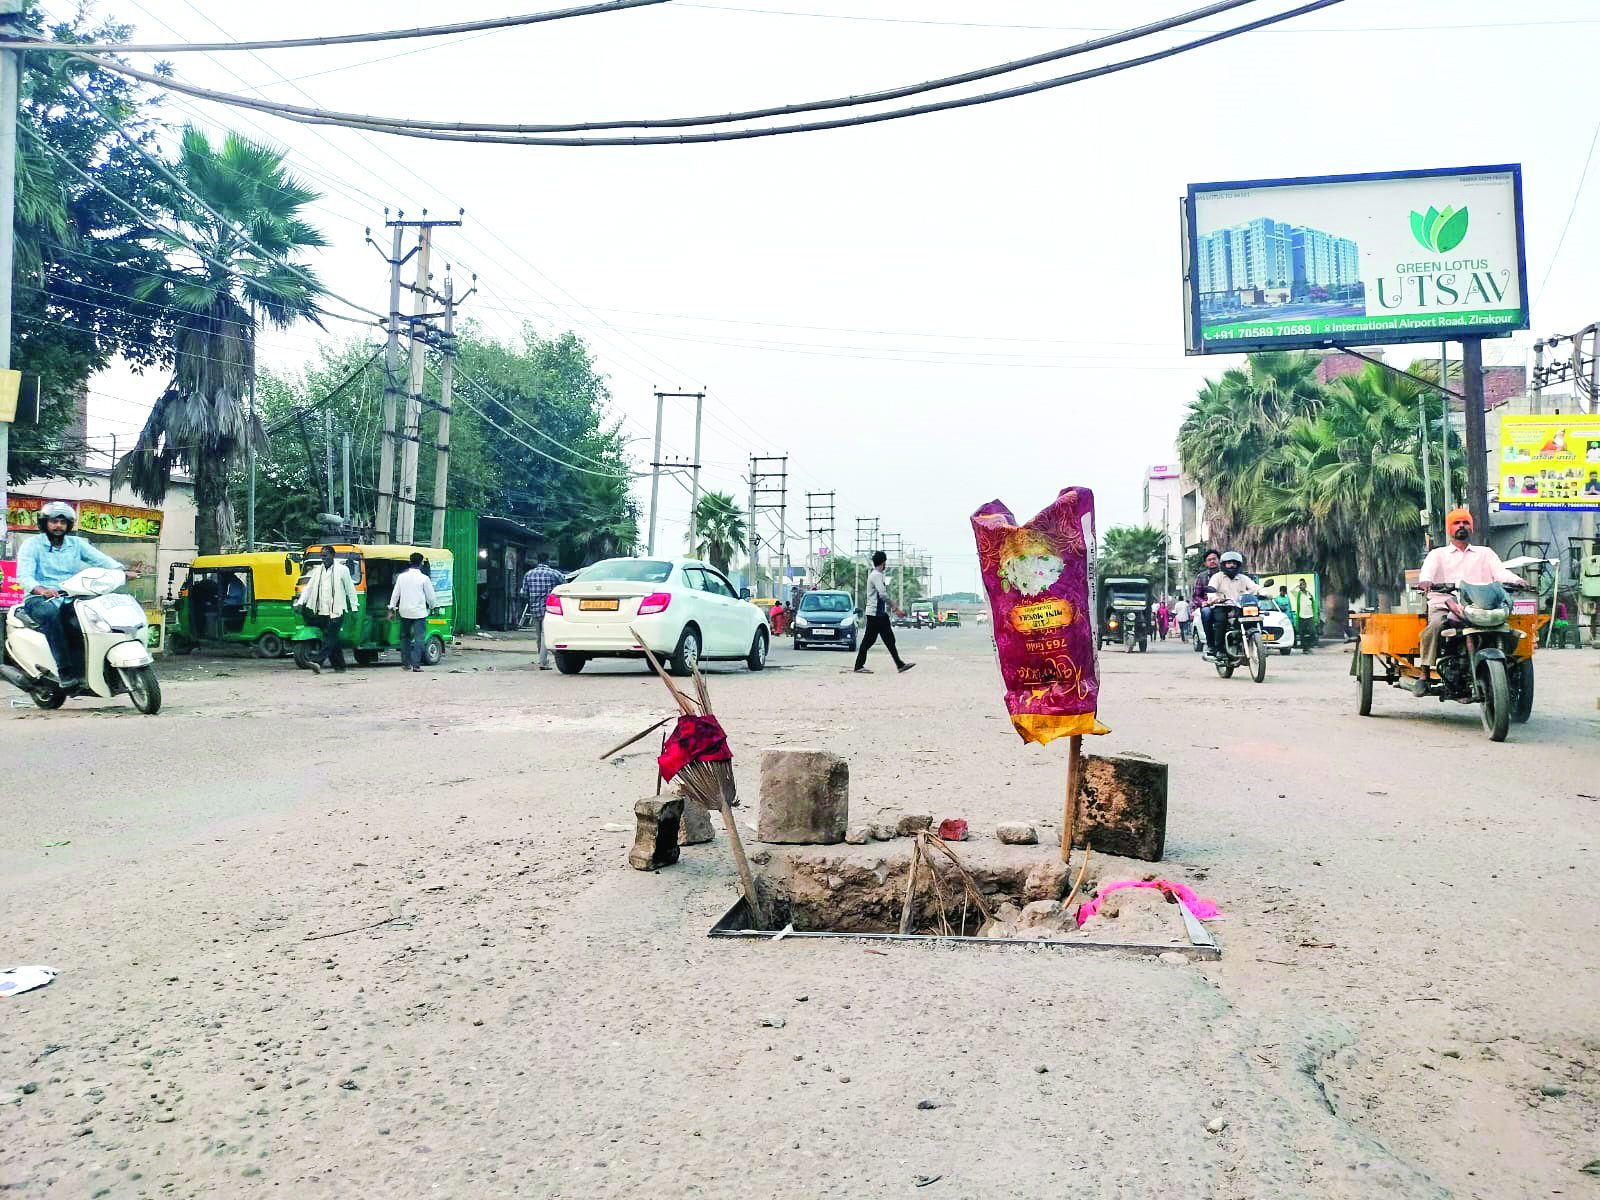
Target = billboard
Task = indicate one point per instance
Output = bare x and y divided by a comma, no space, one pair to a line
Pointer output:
1549,463
1354,260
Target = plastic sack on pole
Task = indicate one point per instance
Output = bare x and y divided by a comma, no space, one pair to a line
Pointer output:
1040,581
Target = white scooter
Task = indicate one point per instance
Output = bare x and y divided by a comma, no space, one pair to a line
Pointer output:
114,635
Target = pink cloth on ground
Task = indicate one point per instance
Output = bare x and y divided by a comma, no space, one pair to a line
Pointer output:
1204,909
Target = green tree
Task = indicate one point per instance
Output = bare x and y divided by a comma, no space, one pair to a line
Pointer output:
1135,550
1353,480
250,235
79,254
1230,443
721,528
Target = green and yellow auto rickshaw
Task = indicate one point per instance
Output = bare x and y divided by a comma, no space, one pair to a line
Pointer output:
235,600
371,630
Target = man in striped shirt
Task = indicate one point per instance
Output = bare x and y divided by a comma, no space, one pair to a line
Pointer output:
537,585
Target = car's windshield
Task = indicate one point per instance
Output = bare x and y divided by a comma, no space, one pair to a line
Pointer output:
833,602
626,570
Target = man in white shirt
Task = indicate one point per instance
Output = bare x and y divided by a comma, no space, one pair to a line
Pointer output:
877,613
1180,614
1458,562
412,599
327,595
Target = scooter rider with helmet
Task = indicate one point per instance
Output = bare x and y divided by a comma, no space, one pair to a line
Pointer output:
43,565
1227,586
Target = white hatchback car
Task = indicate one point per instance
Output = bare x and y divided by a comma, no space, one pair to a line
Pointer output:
683,609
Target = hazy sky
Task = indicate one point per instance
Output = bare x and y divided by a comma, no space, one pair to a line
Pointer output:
924,314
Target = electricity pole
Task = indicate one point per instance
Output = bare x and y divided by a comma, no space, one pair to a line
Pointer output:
760,475
656,464
391,368
406,509
447,377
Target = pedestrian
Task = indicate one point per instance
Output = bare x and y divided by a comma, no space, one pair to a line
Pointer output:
1180,614
1163,618
878,618
537,585
775,618
1305,614
412,599
327,595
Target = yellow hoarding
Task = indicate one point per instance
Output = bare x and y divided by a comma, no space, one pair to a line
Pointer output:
1549,463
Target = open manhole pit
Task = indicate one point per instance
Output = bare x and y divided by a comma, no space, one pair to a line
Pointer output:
859,891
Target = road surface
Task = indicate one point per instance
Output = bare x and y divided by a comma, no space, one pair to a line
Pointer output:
367,936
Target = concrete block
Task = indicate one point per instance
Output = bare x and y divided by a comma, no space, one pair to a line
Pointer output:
913,823
655,837
695,828
805,797
1123,806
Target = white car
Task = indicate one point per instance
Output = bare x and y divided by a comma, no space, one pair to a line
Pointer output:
683,609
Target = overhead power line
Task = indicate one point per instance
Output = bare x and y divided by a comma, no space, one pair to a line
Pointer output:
340,39
330,118
895,93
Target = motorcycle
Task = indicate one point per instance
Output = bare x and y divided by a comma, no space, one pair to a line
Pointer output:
1241,642
113,632
1481,660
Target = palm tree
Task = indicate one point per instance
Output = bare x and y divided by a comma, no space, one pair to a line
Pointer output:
1353,480
721,529
246,224
1228,445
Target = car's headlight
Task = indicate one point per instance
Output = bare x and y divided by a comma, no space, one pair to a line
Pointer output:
801,623
850,619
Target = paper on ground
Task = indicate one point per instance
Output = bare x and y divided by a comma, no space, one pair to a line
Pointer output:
16,980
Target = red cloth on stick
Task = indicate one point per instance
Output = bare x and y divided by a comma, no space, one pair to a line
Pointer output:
693,739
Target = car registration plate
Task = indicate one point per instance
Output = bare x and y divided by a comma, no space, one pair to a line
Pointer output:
823,632
597,606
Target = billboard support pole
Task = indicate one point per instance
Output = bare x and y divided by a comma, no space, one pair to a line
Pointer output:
1477,440
1444,426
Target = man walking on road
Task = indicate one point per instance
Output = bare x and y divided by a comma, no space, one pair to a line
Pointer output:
328,594
412,599
878,618
1180,614
537,585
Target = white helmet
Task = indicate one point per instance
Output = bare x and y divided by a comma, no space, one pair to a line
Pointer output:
58,508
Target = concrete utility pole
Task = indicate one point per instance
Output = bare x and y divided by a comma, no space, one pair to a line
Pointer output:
1477,438
658,464
10,69
327,460
447,380
349,512
391,393
406,508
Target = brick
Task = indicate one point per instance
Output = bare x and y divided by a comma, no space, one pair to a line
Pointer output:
655,837
695,828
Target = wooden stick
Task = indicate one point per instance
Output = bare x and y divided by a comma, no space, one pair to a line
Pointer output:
908,908
746,880
1082,871
679,697
1069,822
700,688
638,737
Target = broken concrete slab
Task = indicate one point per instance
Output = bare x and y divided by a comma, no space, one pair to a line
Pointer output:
1123,806
695,829
655,838
859,836
805,797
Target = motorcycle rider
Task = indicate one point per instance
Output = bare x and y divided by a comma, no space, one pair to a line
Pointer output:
1458,562
43,564
1226,587
1197,597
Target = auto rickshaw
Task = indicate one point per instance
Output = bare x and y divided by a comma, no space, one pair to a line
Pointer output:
1127,613
235,599
370,631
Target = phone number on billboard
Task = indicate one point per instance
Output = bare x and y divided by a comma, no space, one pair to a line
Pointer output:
1228,335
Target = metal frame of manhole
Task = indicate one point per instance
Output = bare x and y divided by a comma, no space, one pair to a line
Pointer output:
735,923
